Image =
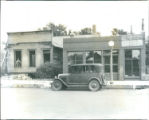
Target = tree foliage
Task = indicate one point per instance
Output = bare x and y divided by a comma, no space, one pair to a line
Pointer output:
48,70
116,32
86,31
58,30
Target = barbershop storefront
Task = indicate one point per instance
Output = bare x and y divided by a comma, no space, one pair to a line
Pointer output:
128,55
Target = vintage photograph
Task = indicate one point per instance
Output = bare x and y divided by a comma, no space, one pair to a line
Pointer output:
74,60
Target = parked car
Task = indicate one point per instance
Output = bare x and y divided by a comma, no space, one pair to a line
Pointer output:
81,75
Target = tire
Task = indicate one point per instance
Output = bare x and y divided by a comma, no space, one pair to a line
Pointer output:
57,85
94,85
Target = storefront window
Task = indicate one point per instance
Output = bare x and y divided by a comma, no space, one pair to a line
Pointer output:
93,57
78,58
97,56
90,57
106,54
75,58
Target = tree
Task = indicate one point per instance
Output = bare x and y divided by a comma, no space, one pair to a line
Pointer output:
58,30
86,31
48,70
116,32
122,32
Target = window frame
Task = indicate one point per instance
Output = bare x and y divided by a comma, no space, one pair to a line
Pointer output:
29,57
15,50
49,55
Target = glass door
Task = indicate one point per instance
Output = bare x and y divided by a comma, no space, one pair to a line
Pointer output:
132,63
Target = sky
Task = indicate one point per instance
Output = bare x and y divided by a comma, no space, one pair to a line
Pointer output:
17,16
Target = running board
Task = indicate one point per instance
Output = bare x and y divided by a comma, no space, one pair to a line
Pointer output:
76,85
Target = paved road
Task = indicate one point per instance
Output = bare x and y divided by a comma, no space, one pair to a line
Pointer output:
38,103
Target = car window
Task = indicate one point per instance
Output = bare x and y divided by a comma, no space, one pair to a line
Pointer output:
77,69
89,69
98,69
93,69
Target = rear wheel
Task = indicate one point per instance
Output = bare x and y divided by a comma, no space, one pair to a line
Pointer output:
94,85
57,85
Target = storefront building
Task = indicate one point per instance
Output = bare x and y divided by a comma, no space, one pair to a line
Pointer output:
128,55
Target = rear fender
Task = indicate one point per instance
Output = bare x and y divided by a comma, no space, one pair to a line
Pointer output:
62,81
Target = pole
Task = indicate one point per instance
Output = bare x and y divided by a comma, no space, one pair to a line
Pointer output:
111,64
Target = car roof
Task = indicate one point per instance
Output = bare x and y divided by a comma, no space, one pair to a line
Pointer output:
87,64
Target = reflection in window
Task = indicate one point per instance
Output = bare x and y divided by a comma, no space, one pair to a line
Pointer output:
79,57
93,57
97,56
135,54
132,61
75,58
90,57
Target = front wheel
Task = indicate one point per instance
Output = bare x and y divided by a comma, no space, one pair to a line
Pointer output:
94,85
57,85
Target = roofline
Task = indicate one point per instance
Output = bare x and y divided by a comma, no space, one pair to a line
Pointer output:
100,37
29,32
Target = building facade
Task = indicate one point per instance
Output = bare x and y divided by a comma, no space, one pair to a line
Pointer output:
128,55
26,51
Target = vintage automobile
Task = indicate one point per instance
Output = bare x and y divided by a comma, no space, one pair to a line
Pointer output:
81,75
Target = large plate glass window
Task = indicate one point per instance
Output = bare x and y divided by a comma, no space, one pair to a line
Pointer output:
106,57
93,57
75,58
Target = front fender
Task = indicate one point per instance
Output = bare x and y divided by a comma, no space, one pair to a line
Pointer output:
61,81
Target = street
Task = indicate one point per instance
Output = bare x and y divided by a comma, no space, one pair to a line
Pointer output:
36,103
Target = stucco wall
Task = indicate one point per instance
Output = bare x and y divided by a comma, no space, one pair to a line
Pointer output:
34,36
38,47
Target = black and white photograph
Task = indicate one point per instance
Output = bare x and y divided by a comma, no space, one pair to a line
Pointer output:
74,60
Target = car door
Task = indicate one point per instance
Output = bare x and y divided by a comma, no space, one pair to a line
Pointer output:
76,76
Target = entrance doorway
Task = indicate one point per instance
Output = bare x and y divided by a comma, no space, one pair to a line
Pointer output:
132,63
